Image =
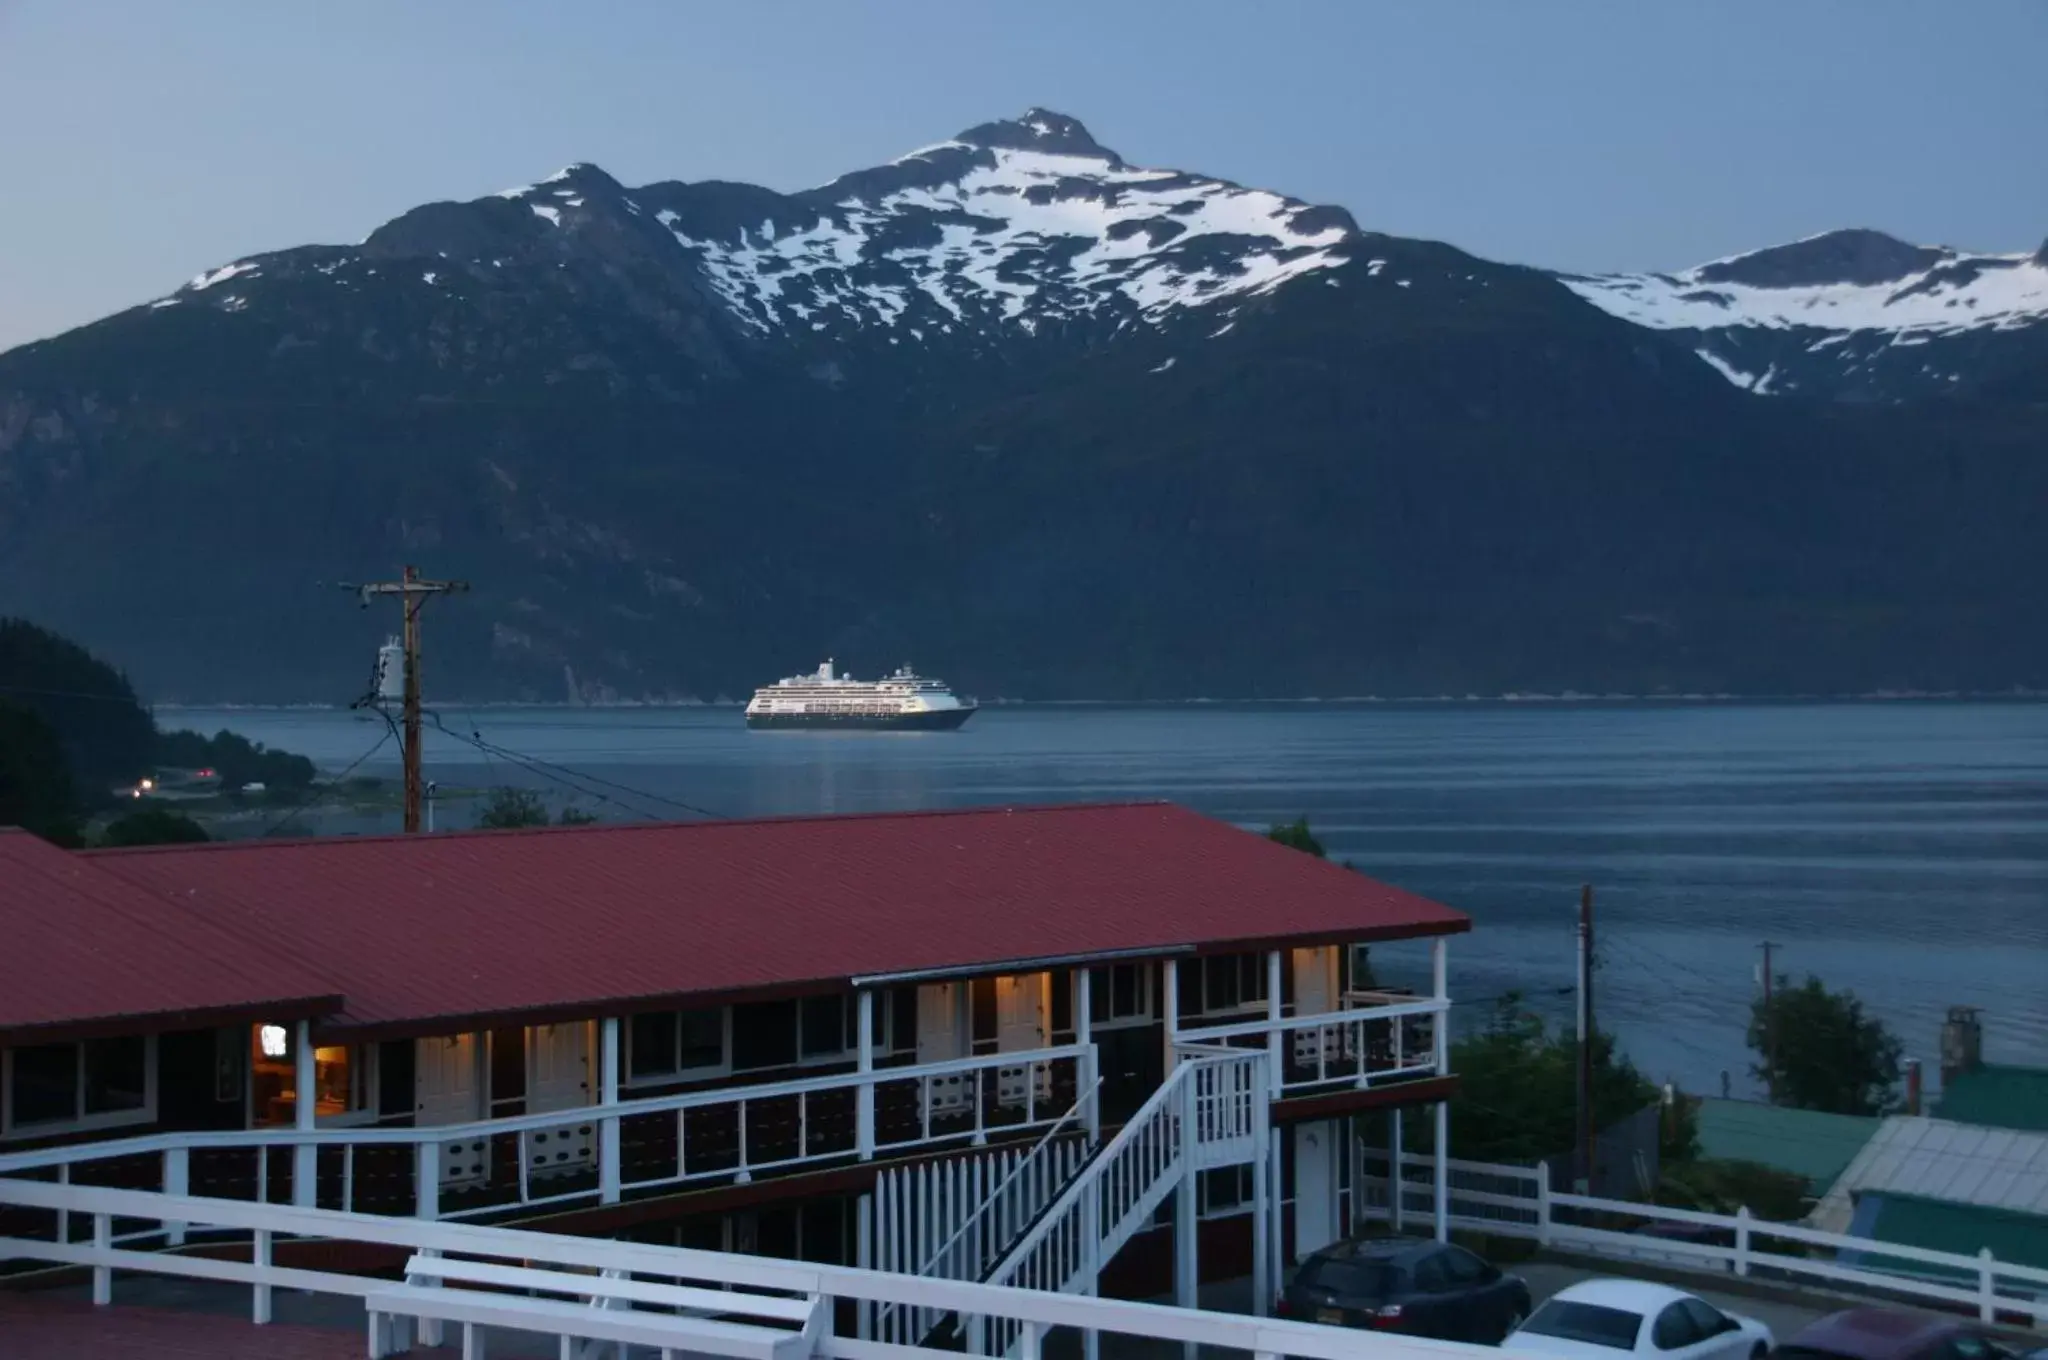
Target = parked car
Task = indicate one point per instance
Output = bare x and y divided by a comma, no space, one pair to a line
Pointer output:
1596,1318
1893,1334
1408,1285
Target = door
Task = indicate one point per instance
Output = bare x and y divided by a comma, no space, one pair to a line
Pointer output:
558,1078
1020,1027
1315,1186
448,1089
942,1037
1315,993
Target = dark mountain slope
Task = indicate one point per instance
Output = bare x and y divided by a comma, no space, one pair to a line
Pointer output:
1041,421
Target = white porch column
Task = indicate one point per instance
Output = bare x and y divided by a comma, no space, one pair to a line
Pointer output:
1395,1184
1439,965
1169,982
1276,1239
1443,1171
608,1127
1091,1065
306,1115
1275,1052
864,1109
1186,1271
1262,1191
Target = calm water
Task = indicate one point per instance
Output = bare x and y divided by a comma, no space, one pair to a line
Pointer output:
1898,849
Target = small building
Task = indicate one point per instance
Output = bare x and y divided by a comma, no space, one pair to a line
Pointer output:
1815,1146
830,1038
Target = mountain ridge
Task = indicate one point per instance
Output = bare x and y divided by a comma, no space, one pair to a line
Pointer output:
987,409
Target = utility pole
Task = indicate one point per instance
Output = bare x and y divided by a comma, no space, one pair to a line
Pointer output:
1587,1132
1770,1031
413,594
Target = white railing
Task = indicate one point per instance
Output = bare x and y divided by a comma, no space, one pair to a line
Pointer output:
1117,1193
1517,1201
981,1203
728,1132
1371,1046
1026,1313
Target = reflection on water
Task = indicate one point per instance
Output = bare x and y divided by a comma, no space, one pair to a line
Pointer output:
1899,849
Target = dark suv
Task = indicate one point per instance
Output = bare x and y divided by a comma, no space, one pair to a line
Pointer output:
1407,1285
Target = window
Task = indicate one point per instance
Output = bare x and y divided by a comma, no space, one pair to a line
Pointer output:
830,1027
1120,995
1352,1278
1591,1323
1706,1319
1222,983
1433,1275
667,1044
344,1078
1224,1191
95,1084
1464,1268
1674,1330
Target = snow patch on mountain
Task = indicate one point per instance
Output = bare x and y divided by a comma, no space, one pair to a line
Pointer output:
1058,233
1957,293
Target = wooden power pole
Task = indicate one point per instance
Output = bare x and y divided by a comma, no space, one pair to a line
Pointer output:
1588,1133
413,594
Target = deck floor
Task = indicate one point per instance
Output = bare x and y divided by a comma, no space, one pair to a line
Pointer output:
33,1328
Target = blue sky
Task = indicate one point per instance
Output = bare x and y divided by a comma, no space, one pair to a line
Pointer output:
144,140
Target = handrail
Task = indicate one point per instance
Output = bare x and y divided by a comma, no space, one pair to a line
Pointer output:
1029,1307
413,1135
1320,1020
1980,1276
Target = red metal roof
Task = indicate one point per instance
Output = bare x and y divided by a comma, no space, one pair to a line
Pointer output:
80,946
584,920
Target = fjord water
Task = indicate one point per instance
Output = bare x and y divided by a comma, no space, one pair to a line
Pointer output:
1900,849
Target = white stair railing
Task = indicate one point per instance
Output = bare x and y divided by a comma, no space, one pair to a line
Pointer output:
1207,1113
981,1204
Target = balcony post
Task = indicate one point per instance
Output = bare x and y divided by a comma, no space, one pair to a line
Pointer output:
1397,1184
864,1108
608,1127
1275,1053
1091,1060
305,1112
1262,1293
1443,1171
177,1181
1441,1026
1169,982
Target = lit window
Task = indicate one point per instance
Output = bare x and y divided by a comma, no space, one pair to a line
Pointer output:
274,1040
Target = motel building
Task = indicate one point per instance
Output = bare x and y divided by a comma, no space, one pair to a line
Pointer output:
1101,1052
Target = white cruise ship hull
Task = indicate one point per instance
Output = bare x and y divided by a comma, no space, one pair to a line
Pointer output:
925,720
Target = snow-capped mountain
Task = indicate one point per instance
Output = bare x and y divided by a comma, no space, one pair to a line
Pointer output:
1052,423
1847,313
1017,224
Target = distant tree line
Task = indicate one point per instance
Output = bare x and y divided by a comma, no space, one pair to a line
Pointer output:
73,733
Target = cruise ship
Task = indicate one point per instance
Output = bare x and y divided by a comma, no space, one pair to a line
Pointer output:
903,702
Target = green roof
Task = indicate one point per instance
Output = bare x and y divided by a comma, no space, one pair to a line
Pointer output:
1807,1143
1965,1229
2002,1097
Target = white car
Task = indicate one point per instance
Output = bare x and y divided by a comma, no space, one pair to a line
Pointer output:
1595,1319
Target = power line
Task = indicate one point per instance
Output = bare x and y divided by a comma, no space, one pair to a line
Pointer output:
334,783
566,775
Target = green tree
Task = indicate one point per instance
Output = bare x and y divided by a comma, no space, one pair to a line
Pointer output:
35,785
235,759
153,826
1818,1050
507,808
1518,1087
1295,835
572,816
106,735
